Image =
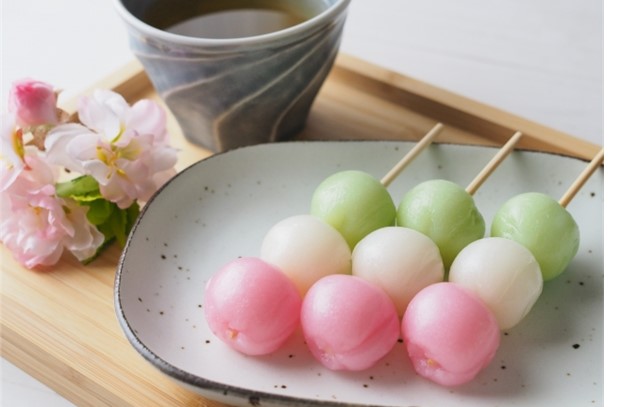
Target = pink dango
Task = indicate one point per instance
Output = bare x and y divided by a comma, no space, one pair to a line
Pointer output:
402,261
348,323
503,273
252,306
306,248
450,334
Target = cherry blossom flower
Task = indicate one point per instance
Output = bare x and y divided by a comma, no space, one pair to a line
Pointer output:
11,151
33,103
119,153
125,148
37,226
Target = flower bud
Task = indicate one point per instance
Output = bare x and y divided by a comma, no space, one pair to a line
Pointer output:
33,103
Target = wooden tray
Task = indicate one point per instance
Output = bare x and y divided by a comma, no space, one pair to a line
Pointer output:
60,325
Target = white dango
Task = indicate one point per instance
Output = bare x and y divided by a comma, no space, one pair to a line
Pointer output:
305,248
503,273
399,260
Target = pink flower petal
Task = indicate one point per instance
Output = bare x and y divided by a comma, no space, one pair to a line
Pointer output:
147,117
103,113
66,144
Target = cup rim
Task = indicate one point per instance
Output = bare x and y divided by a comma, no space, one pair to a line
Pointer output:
293,31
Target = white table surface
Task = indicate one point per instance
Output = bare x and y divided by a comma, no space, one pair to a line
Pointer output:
540,59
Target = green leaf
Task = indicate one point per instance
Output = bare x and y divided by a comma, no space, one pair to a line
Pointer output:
132,215
81,189
99,211
119,222
114,226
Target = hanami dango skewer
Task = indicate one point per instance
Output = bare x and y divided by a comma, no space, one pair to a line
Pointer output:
449,332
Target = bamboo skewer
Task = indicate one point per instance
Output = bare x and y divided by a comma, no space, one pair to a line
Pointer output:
582,178
494,163
491,166
420,146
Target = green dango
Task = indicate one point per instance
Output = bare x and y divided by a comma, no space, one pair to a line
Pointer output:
542,225
353,202
446,213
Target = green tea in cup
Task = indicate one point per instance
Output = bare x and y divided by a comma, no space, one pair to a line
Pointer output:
230,18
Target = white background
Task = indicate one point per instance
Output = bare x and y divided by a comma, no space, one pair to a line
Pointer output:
540,59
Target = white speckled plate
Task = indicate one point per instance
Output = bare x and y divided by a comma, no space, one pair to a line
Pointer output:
221,207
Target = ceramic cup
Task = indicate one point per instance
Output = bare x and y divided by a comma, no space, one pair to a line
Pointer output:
228,92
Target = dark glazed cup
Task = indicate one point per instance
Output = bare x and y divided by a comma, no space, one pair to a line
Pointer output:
233,92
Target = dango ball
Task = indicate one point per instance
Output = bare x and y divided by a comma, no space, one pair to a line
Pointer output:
450,334
348,323
543,226
252,306
306,248
399,260
355,203
503,273
446,213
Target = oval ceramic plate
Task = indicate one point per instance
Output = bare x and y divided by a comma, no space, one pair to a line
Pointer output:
220,208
